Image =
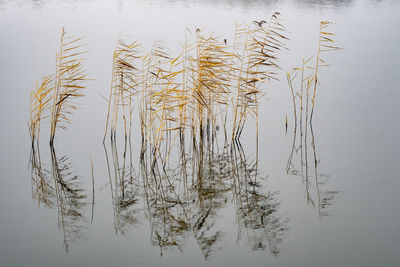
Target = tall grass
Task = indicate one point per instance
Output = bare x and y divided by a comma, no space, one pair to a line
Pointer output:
185,198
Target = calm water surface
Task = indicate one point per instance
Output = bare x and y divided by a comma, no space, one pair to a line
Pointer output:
351,217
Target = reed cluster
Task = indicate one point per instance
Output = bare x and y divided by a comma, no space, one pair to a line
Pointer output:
55,97
211,83
192,109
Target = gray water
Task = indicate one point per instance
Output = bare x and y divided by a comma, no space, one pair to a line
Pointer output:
356,128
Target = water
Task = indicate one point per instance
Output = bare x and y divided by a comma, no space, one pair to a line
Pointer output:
355,127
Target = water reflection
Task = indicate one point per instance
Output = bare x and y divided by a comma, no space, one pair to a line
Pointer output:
257,207
124,188
60,188
300,164
187,198
184,198
42,185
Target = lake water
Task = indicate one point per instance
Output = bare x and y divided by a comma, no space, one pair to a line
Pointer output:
343,213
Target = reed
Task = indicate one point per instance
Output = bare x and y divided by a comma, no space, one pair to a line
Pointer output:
309,73
68,82
57,93
326,43
39,106
123,85
258,62
210,84
59,188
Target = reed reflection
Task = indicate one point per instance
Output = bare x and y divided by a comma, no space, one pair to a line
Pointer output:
186,186
59,188
124,187
257,206
301,163
189,197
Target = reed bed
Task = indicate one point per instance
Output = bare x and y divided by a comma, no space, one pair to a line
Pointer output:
190,111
